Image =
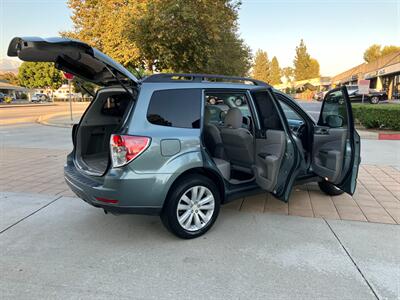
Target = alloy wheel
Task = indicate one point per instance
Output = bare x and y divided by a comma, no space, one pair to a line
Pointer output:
375,100
195,208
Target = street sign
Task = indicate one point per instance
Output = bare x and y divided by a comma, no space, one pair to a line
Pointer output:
363,87
68,76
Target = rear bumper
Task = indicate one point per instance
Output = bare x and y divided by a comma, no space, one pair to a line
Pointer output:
135,195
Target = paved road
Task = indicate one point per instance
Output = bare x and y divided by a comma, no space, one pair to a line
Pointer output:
7,113
313,108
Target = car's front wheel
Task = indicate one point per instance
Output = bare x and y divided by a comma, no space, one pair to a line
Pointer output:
192,207
374,100
329,189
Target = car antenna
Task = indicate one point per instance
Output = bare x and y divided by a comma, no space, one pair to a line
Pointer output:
121,83
80,84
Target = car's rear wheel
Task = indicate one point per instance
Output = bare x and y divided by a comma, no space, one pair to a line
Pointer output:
192,207
374,100
329,189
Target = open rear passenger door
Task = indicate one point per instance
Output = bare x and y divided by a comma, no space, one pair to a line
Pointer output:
277,157
336,143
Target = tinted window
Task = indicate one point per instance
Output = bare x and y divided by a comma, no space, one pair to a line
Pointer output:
218,104
268,114
175,108
334,111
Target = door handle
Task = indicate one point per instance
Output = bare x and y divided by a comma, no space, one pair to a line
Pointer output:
323,131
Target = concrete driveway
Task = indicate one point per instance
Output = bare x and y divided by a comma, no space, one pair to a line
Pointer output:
59,247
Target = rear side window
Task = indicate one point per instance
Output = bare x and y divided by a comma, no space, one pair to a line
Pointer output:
175,108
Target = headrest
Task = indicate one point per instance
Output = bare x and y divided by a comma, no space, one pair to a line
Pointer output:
234,118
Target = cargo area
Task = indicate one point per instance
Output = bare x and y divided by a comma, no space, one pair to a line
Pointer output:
104,117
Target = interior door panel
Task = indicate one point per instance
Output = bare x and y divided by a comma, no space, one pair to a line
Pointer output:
336,144
329,148
269,154
277,158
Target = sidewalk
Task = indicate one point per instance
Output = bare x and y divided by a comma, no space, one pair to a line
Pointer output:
59,246
377,198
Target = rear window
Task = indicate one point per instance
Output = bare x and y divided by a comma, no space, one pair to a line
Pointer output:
115,105
175,108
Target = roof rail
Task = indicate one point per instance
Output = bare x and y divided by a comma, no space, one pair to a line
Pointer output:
182,77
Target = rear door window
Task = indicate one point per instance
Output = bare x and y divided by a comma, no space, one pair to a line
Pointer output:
175,108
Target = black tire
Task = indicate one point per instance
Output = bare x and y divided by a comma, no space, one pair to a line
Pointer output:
329,189
169,213
374,100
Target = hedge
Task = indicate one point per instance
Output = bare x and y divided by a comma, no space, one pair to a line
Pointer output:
385,116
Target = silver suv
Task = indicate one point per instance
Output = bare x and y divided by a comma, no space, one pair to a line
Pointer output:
180,145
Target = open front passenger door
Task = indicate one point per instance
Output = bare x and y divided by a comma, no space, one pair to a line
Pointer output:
336,143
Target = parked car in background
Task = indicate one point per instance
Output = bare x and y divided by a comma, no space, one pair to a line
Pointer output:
373,96
39,97
319,96
158,146
2,97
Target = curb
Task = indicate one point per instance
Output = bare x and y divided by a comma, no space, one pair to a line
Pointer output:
44,120
26,105
389,136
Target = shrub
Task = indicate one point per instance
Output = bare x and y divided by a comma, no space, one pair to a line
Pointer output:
378,115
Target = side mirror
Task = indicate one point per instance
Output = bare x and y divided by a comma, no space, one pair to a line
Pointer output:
334,121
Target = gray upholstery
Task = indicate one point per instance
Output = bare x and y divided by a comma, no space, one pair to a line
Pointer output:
269,155
238,142
224,167
328,152
233,118
212,137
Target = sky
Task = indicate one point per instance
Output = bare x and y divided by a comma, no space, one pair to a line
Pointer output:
336,32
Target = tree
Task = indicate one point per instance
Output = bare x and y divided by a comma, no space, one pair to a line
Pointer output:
276,72
376,51
9,77
39,75
314,68
262,66
389,50
372,53
190,36
288,73
102,24
304,66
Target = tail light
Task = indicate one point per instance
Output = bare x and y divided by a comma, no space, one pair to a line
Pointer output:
125,148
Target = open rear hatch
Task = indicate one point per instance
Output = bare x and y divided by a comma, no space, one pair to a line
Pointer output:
72,56
105,116
110,107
